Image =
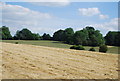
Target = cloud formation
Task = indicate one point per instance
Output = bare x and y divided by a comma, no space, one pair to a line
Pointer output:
89,11
23,13
19,17
92,12
52,3
112,25
103,16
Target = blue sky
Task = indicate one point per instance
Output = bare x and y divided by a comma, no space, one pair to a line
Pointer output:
50,16
70,11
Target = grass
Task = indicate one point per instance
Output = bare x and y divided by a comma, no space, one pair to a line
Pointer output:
57,44
40,43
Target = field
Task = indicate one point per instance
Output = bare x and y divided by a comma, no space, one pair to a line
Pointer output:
23,61
57,44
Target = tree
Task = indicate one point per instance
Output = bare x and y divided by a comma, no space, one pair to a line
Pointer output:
5,33
117,39
24,34
77,47
46,37
78,37
88,36
64,35
58,35
67,36
103,48
95,37
112,38
36,36
92,49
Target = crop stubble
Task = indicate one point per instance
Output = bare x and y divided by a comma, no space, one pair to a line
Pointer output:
20,61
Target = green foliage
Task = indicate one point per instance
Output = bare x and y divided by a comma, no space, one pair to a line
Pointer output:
77,47
73,47
58,35
16,42
26,34
92,49
5,33
113,38
64,35
89,37
68,34
79,37
36,36
103,48
46,37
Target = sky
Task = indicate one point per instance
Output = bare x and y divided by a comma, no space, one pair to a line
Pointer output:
48,17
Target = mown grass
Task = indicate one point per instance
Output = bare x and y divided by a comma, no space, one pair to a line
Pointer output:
40,43
57,44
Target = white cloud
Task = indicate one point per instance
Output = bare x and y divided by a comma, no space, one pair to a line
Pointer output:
52,3
18,17
92,12
89,11
103,16
112,25
25,13
1,3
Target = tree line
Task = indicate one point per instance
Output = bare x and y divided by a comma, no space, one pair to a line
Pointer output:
88,36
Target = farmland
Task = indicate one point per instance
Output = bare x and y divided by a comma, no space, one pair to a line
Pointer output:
63,40
23,61
57,44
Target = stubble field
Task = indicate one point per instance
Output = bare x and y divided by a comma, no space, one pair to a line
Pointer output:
22,61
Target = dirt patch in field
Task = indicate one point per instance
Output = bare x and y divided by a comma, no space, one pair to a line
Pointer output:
20,61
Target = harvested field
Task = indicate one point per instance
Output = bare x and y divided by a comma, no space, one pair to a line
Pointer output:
21,61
